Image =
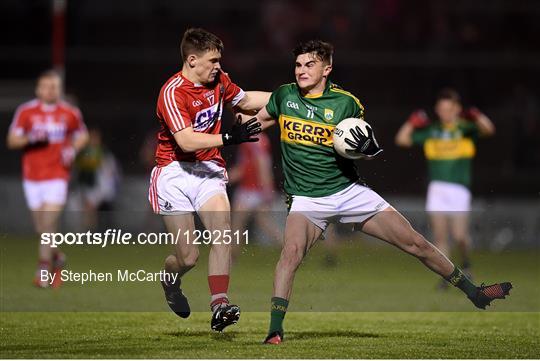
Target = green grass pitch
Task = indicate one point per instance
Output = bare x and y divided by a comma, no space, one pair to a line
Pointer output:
377,303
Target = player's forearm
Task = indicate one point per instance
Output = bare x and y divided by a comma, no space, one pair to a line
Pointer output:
192,141
267,124
485,126
80,141
265,119
404,135
262,117
254,101
15,142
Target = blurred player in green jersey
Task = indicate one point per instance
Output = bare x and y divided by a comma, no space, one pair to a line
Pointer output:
324,187
449,148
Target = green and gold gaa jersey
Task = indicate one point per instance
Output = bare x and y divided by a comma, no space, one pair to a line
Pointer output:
449,150
311,167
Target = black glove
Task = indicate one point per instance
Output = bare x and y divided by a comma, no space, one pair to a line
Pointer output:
240,133
365,145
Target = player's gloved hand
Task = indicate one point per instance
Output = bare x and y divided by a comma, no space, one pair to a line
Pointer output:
242,132
418,119
365,145
36,136
68,155
471,114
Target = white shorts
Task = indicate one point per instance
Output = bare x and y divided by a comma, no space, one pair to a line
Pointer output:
92,195
51,191
448,197
354,204
182,187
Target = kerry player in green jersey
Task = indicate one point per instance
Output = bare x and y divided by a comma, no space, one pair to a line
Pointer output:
449,148
324,187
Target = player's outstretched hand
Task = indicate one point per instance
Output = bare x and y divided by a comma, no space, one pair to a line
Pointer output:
242,132
418,119
365,145
68,155
471,114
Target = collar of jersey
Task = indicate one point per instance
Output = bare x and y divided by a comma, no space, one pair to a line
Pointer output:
47,107
451,126
190,83
318,95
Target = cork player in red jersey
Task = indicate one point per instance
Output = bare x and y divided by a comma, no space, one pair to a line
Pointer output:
50,132
190,174
255,191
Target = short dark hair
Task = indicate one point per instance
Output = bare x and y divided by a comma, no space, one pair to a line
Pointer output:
49,73
323,50
449,94
198,41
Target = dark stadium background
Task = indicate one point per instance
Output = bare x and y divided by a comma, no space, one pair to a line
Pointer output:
393,54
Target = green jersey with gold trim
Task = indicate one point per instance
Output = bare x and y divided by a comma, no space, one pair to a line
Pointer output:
449,150
311,167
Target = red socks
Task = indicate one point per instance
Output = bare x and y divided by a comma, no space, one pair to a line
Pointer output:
219,285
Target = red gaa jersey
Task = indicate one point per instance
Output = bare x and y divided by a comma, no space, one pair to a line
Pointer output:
249,155
182,104
60,121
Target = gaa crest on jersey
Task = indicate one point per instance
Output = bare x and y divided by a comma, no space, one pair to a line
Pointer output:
328,114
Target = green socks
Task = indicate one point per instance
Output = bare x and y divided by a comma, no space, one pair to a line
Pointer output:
277,314
461,281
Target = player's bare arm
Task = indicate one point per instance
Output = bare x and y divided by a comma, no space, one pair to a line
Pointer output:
253,101
80,140
265,119
404,135
191,141
262,117
484,124
17,141
418,119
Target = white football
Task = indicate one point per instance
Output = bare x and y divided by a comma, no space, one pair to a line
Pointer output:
342,131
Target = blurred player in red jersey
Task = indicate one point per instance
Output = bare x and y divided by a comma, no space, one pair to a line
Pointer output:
255,191
190,174
50,132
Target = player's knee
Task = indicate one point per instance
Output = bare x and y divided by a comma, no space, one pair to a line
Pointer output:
292,255
188,259
171,262
461,238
